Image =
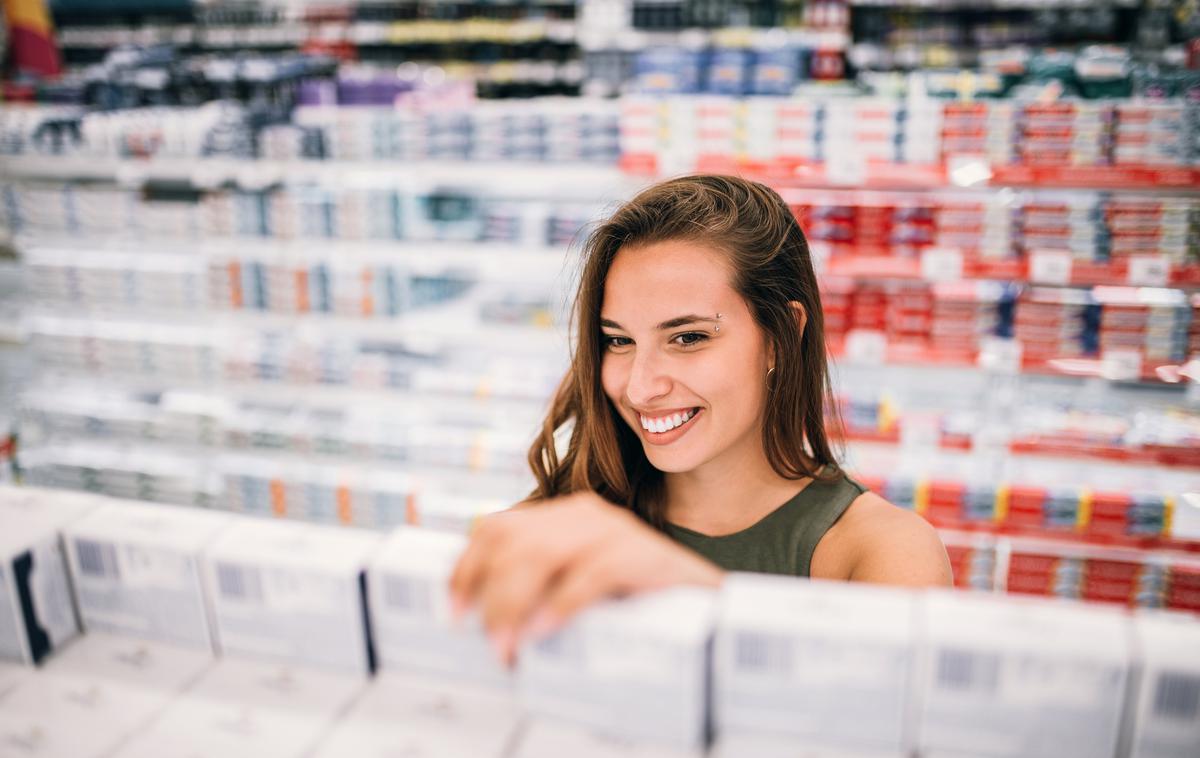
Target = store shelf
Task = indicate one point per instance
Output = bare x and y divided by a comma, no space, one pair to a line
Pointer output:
641,39
873,262
902,176
543,180
935,5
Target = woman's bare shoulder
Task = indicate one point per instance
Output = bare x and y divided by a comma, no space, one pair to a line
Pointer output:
876,541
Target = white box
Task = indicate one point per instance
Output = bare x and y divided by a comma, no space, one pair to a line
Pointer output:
37,612
248,708
410,611
1165,701
66,717
739,745
553,739
635,668
820,661
1028,677
143,664
293,592
424,718
11,675
136,568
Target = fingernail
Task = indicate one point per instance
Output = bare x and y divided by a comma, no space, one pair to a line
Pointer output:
458,608
543,623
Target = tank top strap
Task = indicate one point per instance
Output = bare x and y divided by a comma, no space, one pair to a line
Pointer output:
813,511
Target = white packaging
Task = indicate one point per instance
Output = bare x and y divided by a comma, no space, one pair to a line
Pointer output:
553,739
293,592
424,718
248,708
72,717
819,661
744,745
410,611
37,613
636,668
1028,677
1165,700
11,675
138,663
136,569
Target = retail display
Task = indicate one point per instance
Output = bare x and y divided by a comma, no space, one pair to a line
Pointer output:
742,663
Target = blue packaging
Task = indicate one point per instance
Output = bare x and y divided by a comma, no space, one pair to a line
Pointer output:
729,71
668,71
776,71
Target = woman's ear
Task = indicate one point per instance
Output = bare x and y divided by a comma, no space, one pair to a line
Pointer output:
801,315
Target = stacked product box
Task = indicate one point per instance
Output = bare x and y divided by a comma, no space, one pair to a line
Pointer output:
137,571
1057,323
972,559
114,279
1152,133
966,312
837,300
1098,575
406,714
867,127
980,224
1154,226
813,663
1002,677
983,129
638,669
1162,717
784,130
909,312
1065,133
37,613
1152,322
146,474
1071,221
172,352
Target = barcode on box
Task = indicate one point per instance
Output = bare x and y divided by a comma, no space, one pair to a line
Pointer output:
407,595
1177,696
757,653
239,583
97,559
961,670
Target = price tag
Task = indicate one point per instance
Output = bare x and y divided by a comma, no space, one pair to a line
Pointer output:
1121,365
847,167
1149,271
1000,355
942,264
866,347
1050,267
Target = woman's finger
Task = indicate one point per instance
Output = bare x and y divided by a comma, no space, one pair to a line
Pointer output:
471,566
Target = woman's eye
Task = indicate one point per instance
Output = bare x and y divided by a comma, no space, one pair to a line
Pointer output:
610,341
689,339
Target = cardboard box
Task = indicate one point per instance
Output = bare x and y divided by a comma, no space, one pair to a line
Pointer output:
403,714
136,569
37,612
546,738
251,709
1164,705
1029,677
814,660
636,669
292,592
410,611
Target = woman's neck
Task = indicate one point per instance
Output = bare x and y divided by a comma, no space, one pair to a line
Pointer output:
727,495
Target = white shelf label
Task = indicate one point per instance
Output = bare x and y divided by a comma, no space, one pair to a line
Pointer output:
1121,365
866,346
1149,271
1050,267
847,167
1000,355
942,264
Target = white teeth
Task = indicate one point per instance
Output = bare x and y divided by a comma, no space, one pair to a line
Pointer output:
665,423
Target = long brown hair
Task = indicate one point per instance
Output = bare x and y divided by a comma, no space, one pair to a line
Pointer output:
772,267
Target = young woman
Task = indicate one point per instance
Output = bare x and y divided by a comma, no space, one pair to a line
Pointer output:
695,412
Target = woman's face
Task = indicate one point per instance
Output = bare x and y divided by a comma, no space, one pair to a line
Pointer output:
683,361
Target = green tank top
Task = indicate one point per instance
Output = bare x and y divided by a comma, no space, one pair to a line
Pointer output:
783,541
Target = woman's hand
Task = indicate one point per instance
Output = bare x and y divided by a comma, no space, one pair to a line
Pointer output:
530,569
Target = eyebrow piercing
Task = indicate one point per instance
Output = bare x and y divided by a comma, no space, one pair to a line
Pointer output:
717,328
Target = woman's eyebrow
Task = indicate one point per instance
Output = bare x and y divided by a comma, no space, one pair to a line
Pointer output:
673,323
